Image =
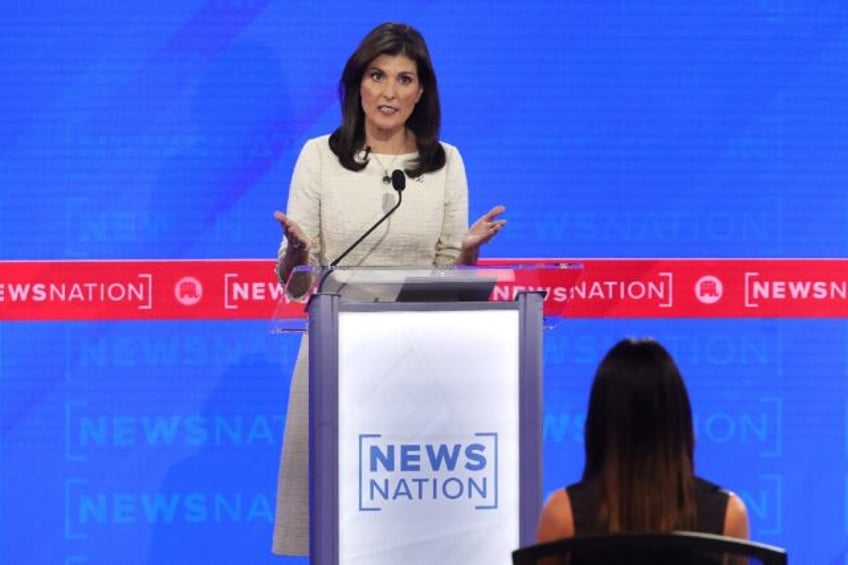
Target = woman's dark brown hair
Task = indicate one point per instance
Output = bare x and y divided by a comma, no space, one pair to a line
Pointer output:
349,138
640,440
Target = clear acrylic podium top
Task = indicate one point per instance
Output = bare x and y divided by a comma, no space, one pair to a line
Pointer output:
417,284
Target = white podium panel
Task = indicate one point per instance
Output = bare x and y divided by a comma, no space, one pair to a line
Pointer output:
428,436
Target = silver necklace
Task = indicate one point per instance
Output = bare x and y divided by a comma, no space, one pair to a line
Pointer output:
387,179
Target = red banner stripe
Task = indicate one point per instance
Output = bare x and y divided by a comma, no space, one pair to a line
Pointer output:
603,288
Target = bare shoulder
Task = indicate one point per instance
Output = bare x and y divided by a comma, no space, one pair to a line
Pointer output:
736,518
556,521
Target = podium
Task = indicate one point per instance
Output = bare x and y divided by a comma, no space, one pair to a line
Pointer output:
425,404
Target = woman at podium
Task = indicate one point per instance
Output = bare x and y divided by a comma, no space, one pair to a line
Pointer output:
381,190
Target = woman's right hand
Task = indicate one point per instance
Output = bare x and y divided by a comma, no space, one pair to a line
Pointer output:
296,254
297,242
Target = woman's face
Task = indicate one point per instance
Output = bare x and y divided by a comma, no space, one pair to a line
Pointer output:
389,90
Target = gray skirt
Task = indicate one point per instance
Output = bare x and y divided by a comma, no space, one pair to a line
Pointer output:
291,523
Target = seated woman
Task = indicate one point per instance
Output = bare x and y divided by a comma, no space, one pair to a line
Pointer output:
639,473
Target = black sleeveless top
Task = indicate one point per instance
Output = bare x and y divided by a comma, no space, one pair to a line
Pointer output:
711,505
710,500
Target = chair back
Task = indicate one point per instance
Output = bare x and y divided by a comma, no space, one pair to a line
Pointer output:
675,548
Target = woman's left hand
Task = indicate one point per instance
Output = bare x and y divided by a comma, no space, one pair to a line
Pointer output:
481,231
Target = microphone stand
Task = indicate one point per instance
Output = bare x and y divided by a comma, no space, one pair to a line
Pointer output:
399,184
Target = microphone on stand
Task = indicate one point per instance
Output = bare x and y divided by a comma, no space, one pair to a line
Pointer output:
399,184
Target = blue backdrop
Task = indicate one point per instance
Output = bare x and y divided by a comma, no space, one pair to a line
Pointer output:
609,129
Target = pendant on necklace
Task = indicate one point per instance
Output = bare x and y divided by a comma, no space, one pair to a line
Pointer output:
386,178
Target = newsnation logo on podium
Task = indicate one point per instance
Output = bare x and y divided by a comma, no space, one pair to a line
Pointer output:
397,472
